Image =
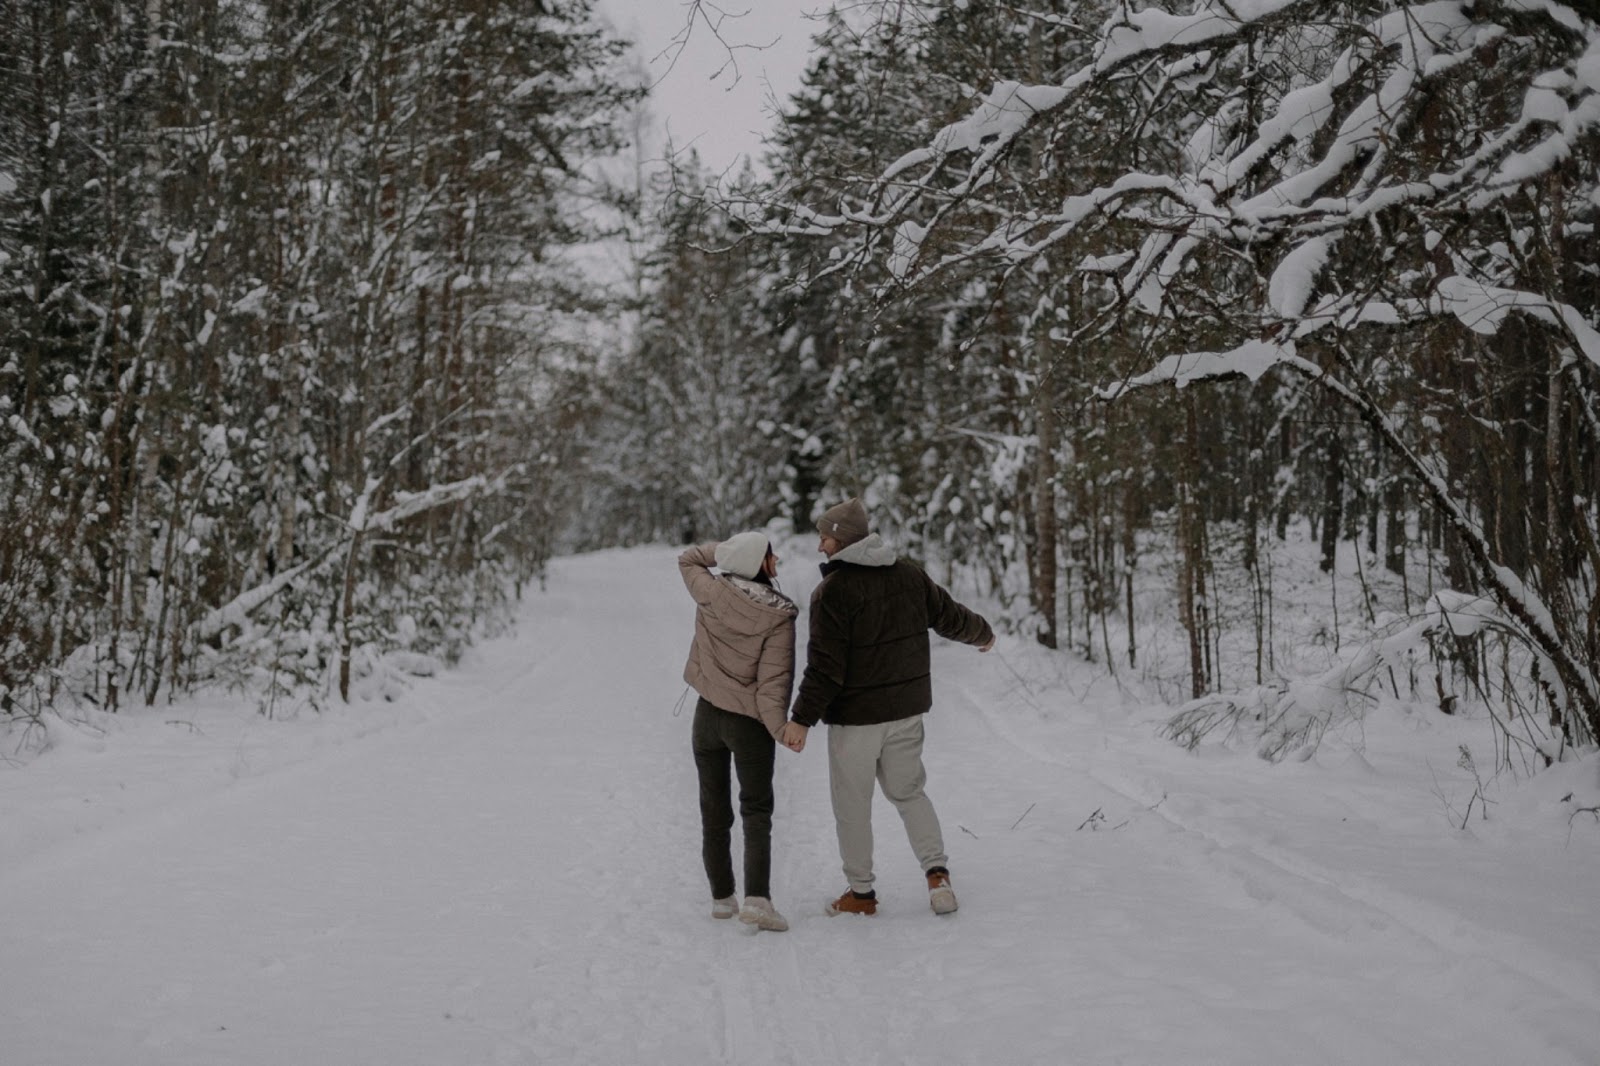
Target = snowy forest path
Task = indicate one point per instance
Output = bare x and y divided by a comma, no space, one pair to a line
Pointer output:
508,873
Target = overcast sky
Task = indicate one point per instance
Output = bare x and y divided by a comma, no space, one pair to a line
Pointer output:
722,107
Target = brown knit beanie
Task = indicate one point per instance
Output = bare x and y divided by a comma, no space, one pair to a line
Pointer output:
845,522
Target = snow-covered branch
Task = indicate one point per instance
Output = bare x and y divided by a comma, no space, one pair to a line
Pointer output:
238,610
410,504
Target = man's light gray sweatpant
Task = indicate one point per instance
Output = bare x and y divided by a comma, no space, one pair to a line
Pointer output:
889,753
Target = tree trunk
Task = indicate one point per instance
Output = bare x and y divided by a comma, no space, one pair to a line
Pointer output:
1045,473
1191,578
347,602
1394,555
1130,553
1332,501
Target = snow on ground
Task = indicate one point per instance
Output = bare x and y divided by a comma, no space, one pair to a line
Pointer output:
502,868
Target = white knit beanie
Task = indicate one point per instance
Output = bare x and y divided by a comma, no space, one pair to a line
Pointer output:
742,554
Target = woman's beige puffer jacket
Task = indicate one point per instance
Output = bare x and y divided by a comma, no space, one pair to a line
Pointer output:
742,659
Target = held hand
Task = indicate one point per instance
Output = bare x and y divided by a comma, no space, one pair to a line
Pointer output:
794,737
986,647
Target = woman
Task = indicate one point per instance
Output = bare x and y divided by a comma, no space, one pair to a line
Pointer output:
742,665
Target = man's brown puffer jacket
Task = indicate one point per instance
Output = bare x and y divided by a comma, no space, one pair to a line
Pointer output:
867,660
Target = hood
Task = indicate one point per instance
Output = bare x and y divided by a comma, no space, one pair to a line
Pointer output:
868,551
763,595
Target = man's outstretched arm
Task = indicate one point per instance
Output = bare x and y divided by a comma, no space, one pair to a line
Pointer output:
953,621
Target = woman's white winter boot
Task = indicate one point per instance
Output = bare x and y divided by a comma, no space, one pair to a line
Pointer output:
759,912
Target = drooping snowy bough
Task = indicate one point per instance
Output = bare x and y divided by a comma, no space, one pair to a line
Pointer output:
1392,203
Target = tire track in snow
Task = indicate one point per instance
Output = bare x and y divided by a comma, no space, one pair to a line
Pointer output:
817,1037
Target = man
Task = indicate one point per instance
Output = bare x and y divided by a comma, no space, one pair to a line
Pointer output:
867,675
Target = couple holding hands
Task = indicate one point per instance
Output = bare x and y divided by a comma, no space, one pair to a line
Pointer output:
867,676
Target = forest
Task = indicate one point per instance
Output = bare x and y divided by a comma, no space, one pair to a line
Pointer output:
304,379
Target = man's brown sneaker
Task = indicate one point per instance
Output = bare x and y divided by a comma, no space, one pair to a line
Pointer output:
853,902
941,897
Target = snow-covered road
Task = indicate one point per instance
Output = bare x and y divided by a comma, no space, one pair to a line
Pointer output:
503,868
